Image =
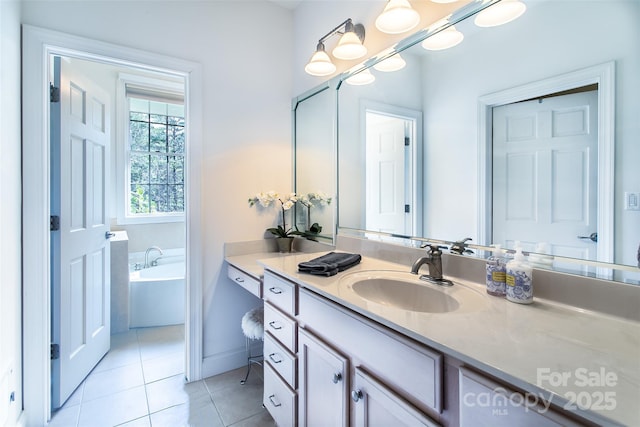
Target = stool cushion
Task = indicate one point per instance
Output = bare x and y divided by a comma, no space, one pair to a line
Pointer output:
253,323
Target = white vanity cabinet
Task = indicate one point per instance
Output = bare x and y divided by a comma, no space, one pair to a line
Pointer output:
323,391
484,402
381,374
375,405
280,349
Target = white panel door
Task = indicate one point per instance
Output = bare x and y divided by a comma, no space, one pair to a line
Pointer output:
80,249
386,161
545,173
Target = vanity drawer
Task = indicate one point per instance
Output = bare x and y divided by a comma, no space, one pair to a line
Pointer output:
280,359
280,292
280,326
486,402
278,398
243,279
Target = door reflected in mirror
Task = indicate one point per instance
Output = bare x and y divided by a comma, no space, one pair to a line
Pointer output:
459,185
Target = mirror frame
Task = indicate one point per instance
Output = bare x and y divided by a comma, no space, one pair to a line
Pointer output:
604,270
329,85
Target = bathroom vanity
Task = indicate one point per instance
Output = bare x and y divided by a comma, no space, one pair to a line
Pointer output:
336,355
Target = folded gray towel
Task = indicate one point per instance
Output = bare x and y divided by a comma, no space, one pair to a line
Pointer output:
329,264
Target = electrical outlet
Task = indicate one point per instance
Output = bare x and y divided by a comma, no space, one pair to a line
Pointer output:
631,201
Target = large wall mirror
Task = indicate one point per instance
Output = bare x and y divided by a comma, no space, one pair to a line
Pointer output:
314,117
525,132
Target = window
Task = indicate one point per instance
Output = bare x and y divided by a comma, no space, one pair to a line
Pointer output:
156,157
152,171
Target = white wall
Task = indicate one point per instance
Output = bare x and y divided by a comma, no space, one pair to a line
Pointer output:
245,52
10,215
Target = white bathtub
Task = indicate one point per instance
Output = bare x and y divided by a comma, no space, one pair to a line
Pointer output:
156,294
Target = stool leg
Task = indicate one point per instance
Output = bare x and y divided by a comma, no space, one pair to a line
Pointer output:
248,347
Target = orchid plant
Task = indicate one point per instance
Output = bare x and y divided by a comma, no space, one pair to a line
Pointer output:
313,199
286,201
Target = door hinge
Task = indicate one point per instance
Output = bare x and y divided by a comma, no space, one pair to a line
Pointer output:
407,141
54,93
407,209
55,351
54,223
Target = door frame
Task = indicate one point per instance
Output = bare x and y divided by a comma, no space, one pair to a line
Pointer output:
37,46
604,76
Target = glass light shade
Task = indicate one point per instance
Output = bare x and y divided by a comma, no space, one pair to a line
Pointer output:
500,13
362,78
444,1
444,39
393,63
349,47
320,64
397,17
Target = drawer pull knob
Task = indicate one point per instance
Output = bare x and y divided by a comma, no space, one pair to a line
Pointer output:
356,395
274,403
275,325
275,290
274,360
239,279
337,377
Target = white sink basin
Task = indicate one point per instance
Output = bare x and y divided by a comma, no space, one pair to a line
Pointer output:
403,290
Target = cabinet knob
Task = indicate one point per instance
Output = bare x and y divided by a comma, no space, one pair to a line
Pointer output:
275,325
275,290
356,395
337,377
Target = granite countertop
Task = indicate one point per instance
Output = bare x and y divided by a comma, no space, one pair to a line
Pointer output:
249,262
525,345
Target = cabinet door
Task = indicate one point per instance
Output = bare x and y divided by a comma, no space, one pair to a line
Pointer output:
376,405
323,389
484,402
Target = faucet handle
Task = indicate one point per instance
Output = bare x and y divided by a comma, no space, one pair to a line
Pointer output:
433,248
460,247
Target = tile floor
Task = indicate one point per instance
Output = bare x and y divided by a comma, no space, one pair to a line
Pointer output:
140,382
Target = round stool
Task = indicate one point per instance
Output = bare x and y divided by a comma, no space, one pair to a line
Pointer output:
253,329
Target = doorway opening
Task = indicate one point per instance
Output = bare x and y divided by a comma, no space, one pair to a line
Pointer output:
38,46
392,182
135,197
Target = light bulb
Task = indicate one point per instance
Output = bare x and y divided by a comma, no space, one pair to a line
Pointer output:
320,64
397,17
500,13
444,39
362,78
349,47
393,63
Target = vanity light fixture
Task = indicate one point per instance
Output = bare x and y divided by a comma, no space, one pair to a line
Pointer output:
392,63
444,1
397,17
500,13
320,64
349,47
362,78
445,39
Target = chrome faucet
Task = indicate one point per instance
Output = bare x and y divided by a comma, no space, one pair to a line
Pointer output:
434,260
146,256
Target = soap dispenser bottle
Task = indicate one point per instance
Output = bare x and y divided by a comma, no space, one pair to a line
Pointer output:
519,279
496,273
